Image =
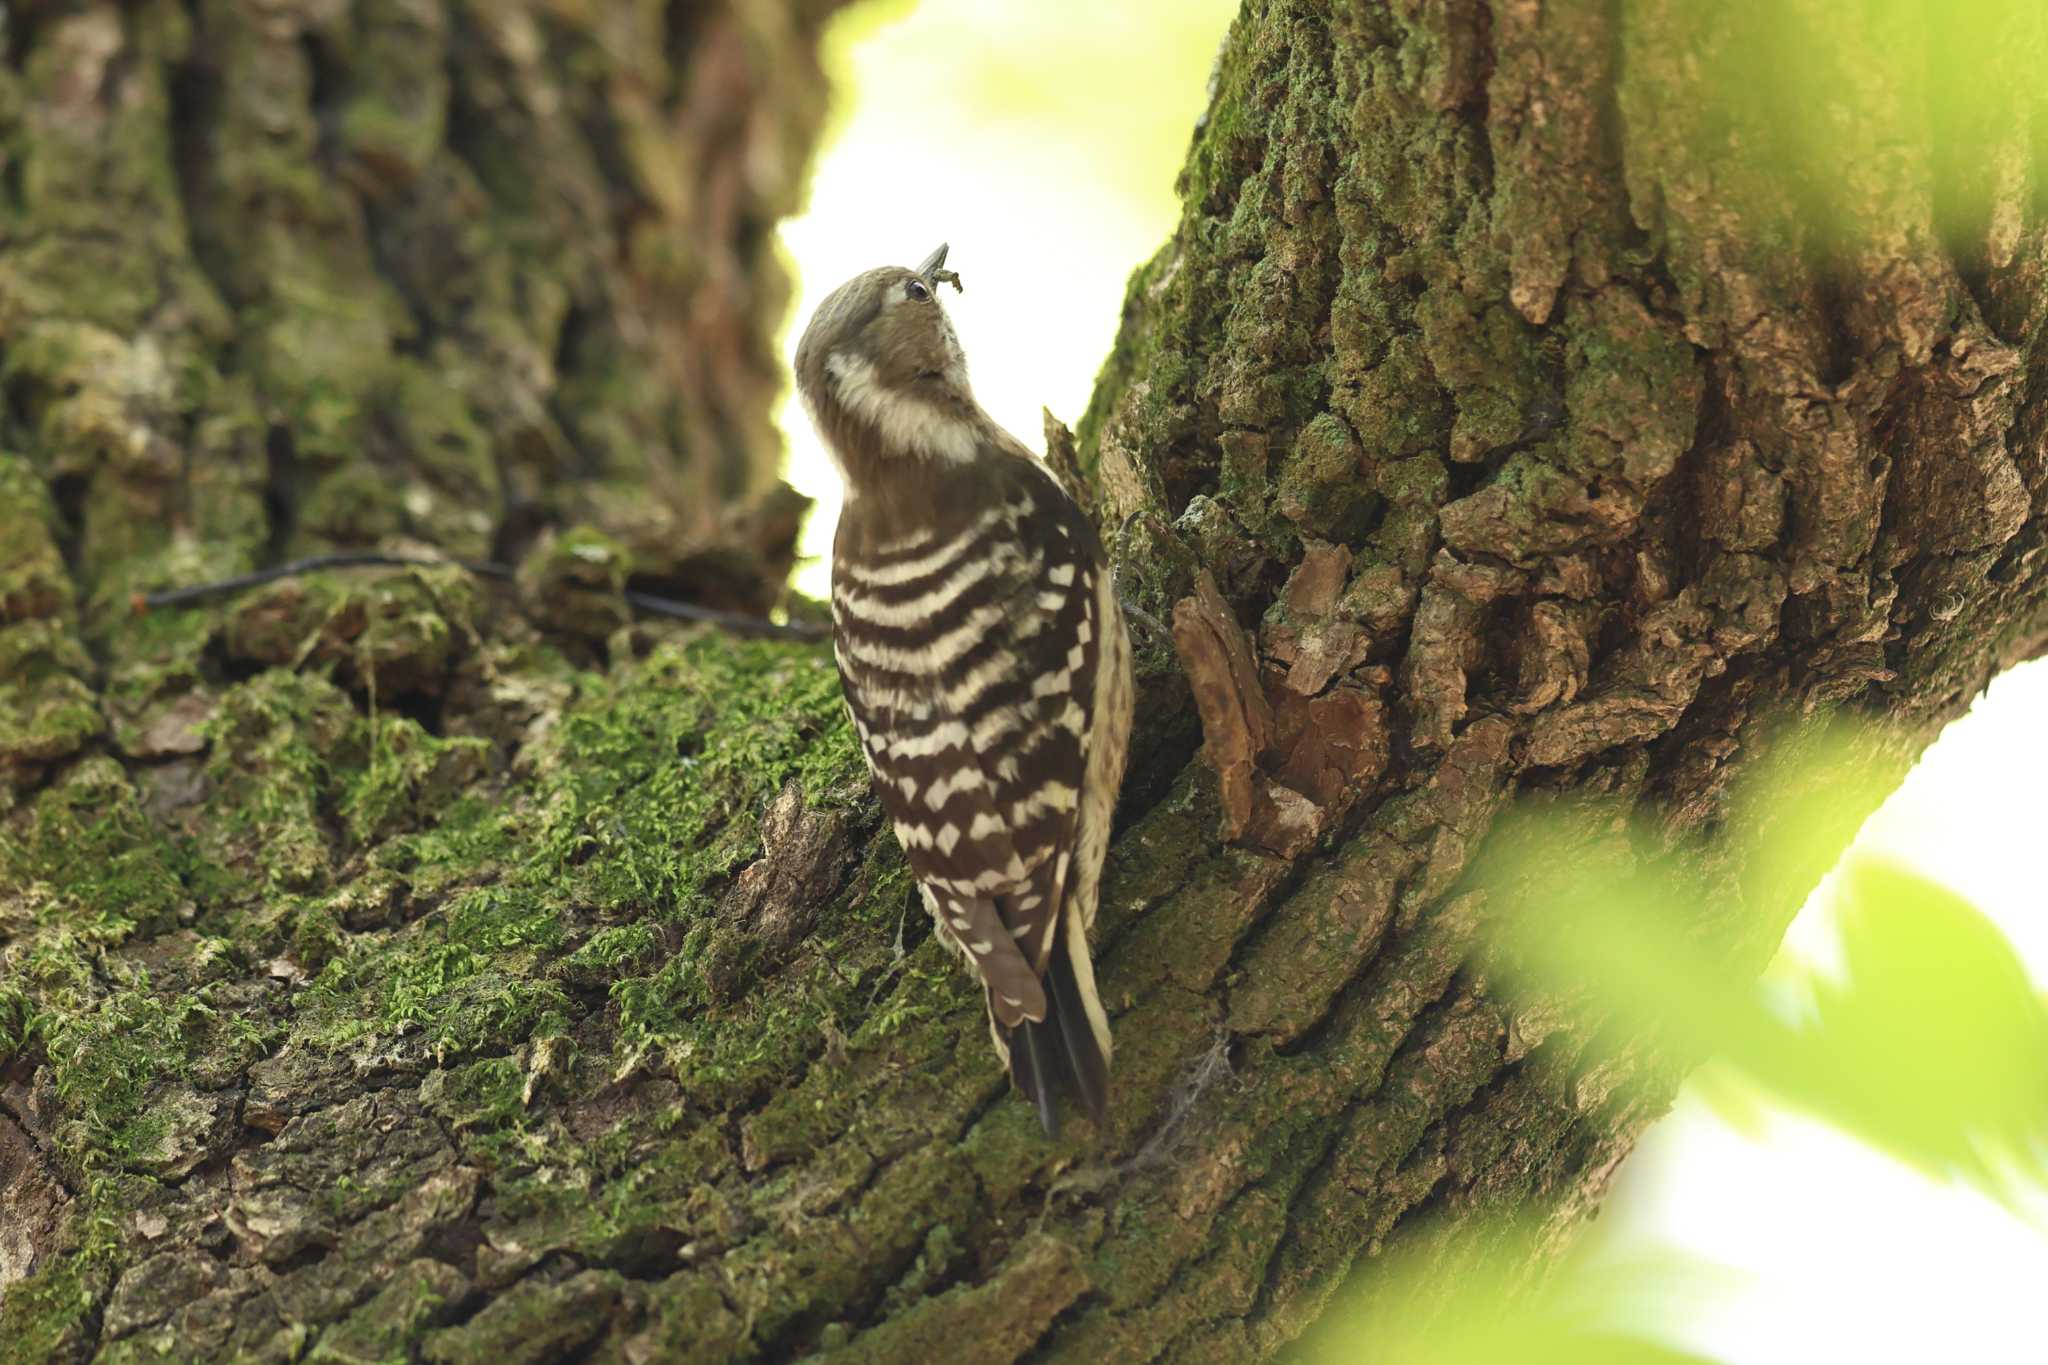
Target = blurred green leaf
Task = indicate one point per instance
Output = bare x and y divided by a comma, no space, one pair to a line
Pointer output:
1851,116
1928,1042
1590,1309
1933,1046
1923,1038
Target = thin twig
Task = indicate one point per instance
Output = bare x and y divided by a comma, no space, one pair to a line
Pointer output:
731,620
647,602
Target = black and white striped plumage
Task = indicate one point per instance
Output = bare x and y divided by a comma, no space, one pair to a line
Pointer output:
985,664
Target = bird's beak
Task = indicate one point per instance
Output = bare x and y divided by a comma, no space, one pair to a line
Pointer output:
935,273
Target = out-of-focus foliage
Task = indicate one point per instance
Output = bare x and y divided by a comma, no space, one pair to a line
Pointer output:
1838,108
1590,1311
1924,1039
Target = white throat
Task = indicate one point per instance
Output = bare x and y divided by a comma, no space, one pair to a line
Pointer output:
904,422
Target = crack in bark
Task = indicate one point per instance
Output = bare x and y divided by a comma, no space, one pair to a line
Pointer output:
20,1124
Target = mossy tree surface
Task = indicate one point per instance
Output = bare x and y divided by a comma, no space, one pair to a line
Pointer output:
403,967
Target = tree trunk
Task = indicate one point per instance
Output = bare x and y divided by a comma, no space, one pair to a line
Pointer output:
400,966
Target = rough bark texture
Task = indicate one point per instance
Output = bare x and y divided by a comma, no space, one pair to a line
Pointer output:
398,967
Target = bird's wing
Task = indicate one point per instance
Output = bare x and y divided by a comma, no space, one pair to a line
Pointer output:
969,685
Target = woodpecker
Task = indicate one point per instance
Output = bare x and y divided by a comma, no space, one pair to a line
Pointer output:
985,663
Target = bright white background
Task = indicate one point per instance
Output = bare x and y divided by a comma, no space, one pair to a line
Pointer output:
1027,135
1841,1253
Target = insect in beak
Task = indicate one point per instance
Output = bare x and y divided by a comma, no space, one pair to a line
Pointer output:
934,272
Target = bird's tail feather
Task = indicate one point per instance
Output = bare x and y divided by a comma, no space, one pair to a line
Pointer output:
1061,1056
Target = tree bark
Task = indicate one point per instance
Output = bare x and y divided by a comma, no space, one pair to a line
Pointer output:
398,966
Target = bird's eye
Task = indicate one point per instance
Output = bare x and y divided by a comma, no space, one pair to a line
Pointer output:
916,290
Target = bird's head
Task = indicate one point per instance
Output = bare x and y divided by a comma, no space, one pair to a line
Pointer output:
882,372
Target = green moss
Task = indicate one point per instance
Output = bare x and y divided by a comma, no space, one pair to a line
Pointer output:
1633,391
309,818
275,624
276,742
354,505
413,626
316,934
450,473
36,651
692,1320
47,711
45,719
112,1026
106,1059
93,860
50,1314
328,421
157,693
641,782
641,810
531,1323
389,138
409,774
33,581
418,1297
1398,410
458,997
576,582
17,1023
1319,487
1492,364
482,1095
76,381
470,925
614,948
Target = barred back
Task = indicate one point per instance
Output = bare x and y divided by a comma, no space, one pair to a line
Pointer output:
969,642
